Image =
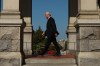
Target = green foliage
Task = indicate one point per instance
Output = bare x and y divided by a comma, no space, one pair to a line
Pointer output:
38,40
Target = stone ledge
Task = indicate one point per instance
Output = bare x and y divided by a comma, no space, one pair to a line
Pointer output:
95,12
10,22
95,55
28,30
87,22
89,59
71,31
9,55
10,59
50,64
10,12
10,16
49,60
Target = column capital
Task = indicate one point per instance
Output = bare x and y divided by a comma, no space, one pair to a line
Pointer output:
11,5
10,9
87,6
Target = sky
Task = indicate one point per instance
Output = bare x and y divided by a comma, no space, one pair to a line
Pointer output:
59,11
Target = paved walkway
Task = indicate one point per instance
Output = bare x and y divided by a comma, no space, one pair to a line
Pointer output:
49,60
52,57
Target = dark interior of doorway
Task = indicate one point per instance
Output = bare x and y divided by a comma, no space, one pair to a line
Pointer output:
99,3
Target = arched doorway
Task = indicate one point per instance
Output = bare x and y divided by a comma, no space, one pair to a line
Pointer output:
26,10
47,58
25,15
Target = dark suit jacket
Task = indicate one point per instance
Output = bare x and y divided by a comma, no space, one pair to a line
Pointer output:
51,28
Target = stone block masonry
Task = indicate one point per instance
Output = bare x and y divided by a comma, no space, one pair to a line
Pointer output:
10,34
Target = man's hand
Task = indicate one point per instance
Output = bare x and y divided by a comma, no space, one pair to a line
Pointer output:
56,34
43,33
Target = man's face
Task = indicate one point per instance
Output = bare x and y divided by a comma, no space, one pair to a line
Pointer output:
47,16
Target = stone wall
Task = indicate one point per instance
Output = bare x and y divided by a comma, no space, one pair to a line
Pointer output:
10,34
89,38
88,33
27,36
9,39
71,32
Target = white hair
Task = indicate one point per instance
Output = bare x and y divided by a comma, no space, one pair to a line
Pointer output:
48,13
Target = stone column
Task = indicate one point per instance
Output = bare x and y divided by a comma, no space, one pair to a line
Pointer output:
88,33
71,34
10,34
10,9
27,36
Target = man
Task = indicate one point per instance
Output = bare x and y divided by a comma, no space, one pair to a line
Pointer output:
51,33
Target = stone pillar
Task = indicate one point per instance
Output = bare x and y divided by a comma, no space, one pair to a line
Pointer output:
27,36
88,36
71,34
10,9
10,34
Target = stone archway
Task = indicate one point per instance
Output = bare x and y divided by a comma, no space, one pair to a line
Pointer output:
87,36
16,31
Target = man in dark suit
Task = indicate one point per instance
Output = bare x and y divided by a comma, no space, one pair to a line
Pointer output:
51,33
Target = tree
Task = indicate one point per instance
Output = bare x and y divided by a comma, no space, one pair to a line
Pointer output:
38,40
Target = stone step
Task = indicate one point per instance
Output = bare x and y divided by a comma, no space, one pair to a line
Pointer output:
48,60
47,64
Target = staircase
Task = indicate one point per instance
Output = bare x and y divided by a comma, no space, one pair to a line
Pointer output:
50,62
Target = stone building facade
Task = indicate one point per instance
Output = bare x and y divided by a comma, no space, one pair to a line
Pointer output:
71,31
84,29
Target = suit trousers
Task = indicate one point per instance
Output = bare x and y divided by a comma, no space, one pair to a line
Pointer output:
48,43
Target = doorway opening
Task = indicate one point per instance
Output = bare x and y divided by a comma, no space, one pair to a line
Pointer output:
59,11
